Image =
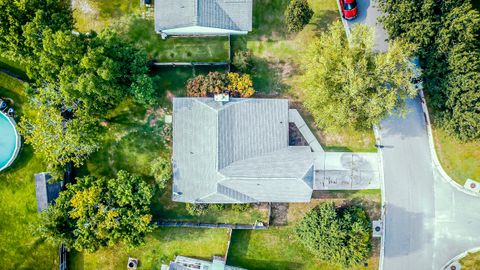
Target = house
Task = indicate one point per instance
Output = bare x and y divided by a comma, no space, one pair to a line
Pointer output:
203,17
237,151
46,192
185,263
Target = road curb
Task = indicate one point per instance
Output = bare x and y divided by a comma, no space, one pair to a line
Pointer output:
435,160
460,256
376,131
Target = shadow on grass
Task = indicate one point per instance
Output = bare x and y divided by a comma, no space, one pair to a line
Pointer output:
322,19
269,19
267,77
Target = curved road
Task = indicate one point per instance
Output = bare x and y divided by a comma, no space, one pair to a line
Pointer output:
427,220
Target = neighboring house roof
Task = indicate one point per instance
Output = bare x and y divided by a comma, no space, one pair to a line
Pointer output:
221,14
237,152
46,192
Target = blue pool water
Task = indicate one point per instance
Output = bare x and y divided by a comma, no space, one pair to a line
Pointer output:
8,141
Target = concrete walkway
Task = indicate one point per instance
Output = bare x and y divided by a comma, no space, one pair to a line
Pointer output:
428,221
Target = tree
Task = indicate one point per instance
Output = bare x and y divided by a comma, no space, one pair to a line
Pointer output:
17,15
341,236
59,141
161,169
355,87
297,15
99,212
447,34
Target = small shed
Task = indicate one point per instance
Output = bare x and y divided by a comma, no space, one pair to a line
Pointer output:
46,192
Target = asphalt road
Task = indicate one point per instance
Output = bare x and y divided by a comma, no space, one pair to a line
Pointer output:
427,221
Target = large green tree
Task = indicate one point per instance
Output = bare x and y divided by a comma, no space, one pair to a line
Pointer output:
99,212
18,15
340,236
347,84
57,140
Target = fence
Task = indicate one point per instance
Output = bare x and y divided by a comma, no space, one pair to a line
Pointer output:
255,226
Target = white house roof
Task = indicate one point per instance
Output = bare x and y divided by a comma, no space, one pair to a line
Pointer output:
237,152
233,15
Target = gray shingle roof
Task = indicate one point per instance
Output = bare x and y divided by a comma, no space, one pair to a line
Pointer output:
223,14
45,191
237,152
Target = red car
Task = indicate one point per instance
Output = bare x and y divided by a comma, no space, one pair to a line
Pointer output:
349,9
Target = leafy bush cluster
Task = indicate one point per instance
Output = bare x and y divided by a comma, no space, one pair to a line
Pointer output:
161,169
243,60
340,236
297,15
99,212
447,33
213,83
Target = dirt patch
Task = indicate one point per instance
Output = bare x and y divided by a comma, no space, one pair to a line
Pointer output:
279,214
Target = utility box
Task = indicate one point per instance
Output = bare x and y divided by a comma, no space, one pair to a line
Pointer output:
132,264
377,228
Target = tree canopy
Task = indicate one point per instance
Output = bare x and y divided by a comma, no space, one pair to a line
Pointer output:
340,236
447,34
347,84
297,15
99,212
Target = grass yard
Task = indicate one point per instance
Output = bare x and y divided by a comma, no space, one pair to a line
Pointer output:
471,261
160,248
460,160
19,247
176,49
278,248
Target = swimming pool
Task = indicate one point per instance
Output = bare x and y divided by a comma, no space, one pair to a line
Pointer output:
9,141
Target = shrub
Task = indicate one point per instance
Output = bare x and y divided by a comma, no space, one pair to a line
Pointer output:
161,170
242,60
202,86
241,207
216,207
197,209
341,236
297,15
215,83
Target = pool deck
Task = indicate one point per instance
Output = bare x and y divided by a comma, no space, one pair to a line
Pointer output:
18,142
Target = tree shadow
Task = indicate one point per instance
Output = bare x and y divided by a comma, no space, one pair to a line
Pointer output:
322,19
267,76
269,19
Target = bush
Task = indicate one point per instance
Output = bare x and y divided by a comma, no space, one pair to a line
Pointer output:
241,207
216,207
341,236
161,170
197,209
203,86
242,60
297,15
234,84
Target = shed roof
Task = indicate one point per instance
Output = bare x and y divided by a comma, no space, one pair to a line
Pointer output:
46,192
222,14
237,152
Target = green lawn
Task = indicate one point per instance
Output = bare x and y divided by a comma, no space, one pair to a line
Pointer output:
176,49
460,160
161,247
471,261
19,247
278,248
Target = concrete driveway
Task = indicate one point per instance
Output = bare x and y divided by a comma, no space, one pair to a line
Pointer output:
427,221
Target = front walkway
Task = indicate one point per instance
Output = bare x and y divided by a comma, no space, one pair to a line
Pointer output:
339,170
